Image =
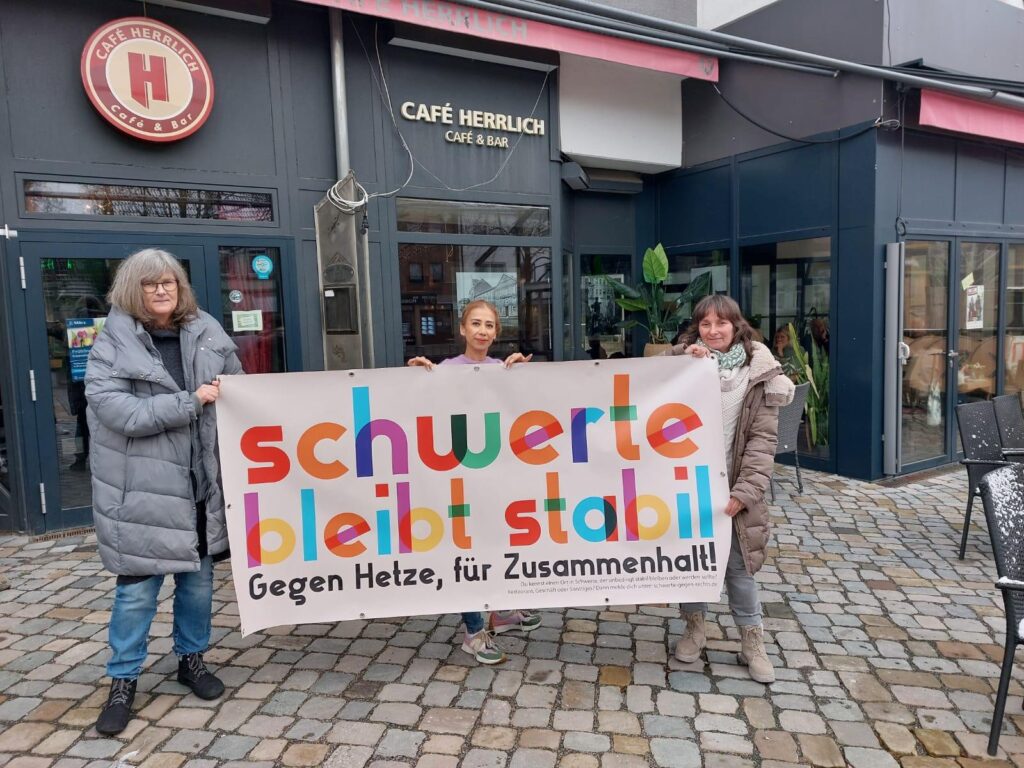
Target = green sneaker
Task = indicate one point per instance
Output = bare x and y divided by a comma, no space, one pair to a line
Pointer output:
506,621
481,646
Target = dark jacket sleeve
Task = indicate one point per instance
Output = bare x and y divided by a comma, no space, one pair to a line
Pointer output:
116,406
758,459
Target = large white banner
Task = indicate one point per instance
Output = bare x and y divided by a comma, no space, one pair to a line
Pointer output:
395,492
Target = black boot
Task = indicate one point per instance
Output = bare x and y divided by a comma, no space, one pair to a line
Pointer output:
194,674
118,710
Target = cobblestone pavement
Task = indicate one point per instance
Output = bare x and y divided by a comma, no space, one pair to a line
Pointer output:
887,649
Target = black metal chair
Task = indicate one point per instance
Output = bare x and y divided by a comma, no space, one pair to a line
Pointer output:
1002,496
979,435
1010,421
790,418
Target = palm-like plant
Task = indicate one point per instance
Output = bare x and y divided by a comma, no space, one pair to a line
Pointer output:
813,369
660,317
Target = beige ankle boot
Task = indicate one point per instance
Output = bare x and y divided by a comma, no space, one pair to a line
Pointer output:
753,654
691,645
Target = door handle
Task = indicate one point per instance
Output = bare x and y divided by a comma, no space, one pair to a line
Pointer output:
903,352
952,354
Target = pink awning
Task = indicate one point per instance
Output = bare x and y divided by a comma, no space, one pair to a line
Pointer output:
956,113
505,28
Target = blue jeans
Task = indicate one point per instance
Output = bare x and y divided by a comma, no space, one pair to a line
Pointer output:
741,588
135,607
475,621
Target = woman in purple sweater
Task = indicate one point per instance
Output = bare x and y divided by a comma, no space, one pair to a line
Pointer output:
480,326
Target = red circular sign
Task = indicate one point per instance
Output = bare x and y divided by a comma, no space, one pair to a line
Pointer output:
147,79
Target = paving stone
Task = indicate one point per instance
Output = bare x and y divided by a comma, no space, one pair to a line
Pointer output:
862,757
189,741
400,743
366,734
348,756
821,751
95,748
675,753
937,743
397,714
232,747
586,742
484,758
776,745
457,721
21,737
304,754
539,738
437,761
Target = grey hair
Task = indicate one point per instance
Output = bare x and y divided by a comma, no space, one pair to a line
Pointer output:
150,264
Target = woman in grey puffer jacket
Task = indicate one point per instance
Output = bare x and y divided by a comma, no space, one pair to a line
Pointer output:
150,383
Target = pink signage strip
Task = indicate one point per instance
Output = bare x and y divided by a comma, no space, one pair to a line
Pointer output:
452,17
956,113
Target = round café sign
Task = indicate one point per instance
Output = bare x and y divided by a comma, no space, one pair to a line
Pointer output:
148,79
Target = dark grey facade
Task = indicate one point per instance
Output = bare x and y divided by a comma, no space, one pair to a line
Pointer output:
271,133
793,222
953,201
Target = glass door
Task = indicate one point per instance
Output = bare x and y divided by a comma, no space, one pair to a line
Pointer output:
950,332
67,284
925,402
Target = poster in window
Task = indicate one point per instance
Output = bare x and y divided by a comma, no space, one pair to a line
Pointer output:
975,298
81,333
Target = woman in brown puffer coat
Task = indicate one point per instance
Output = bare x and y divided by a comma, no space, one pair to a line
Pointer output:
753,388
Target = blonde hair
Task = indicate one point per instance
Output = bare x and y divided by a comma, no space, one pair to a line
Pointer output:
149,265
477,304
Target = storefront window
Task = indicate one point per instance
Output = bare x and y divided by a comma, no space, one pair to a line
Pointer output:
600,316
684,268
438,280
977,321
1014,341
455,218
251,306
81,199
790,283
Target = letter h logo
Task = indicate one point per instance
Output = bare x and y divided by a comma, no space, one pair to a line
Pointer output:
155,76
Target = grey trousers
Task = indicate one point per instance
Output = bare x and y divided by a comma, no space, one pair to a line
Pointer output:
741,588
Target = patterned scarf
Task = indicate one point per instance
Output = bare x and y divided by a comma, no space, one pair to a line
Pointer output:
735,357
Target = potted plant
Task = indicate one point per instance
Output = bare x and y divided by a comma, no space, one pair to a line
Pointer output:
660,316
814,369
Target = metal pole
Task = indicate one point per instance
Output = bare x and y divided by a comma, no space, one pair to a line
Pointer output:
341,149
338,91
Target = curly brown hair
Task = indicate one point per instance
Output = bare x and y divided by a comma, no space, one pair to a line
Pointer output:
727,309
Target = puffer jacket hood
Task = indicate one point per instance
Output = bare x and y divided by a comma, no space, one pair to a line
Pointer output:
153,449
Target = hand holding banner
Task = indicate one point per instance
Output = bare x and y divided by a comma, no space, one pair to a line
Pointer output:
371,493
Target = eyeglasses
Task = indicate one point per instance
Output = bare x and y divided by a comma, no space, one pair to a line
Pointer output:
168,285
